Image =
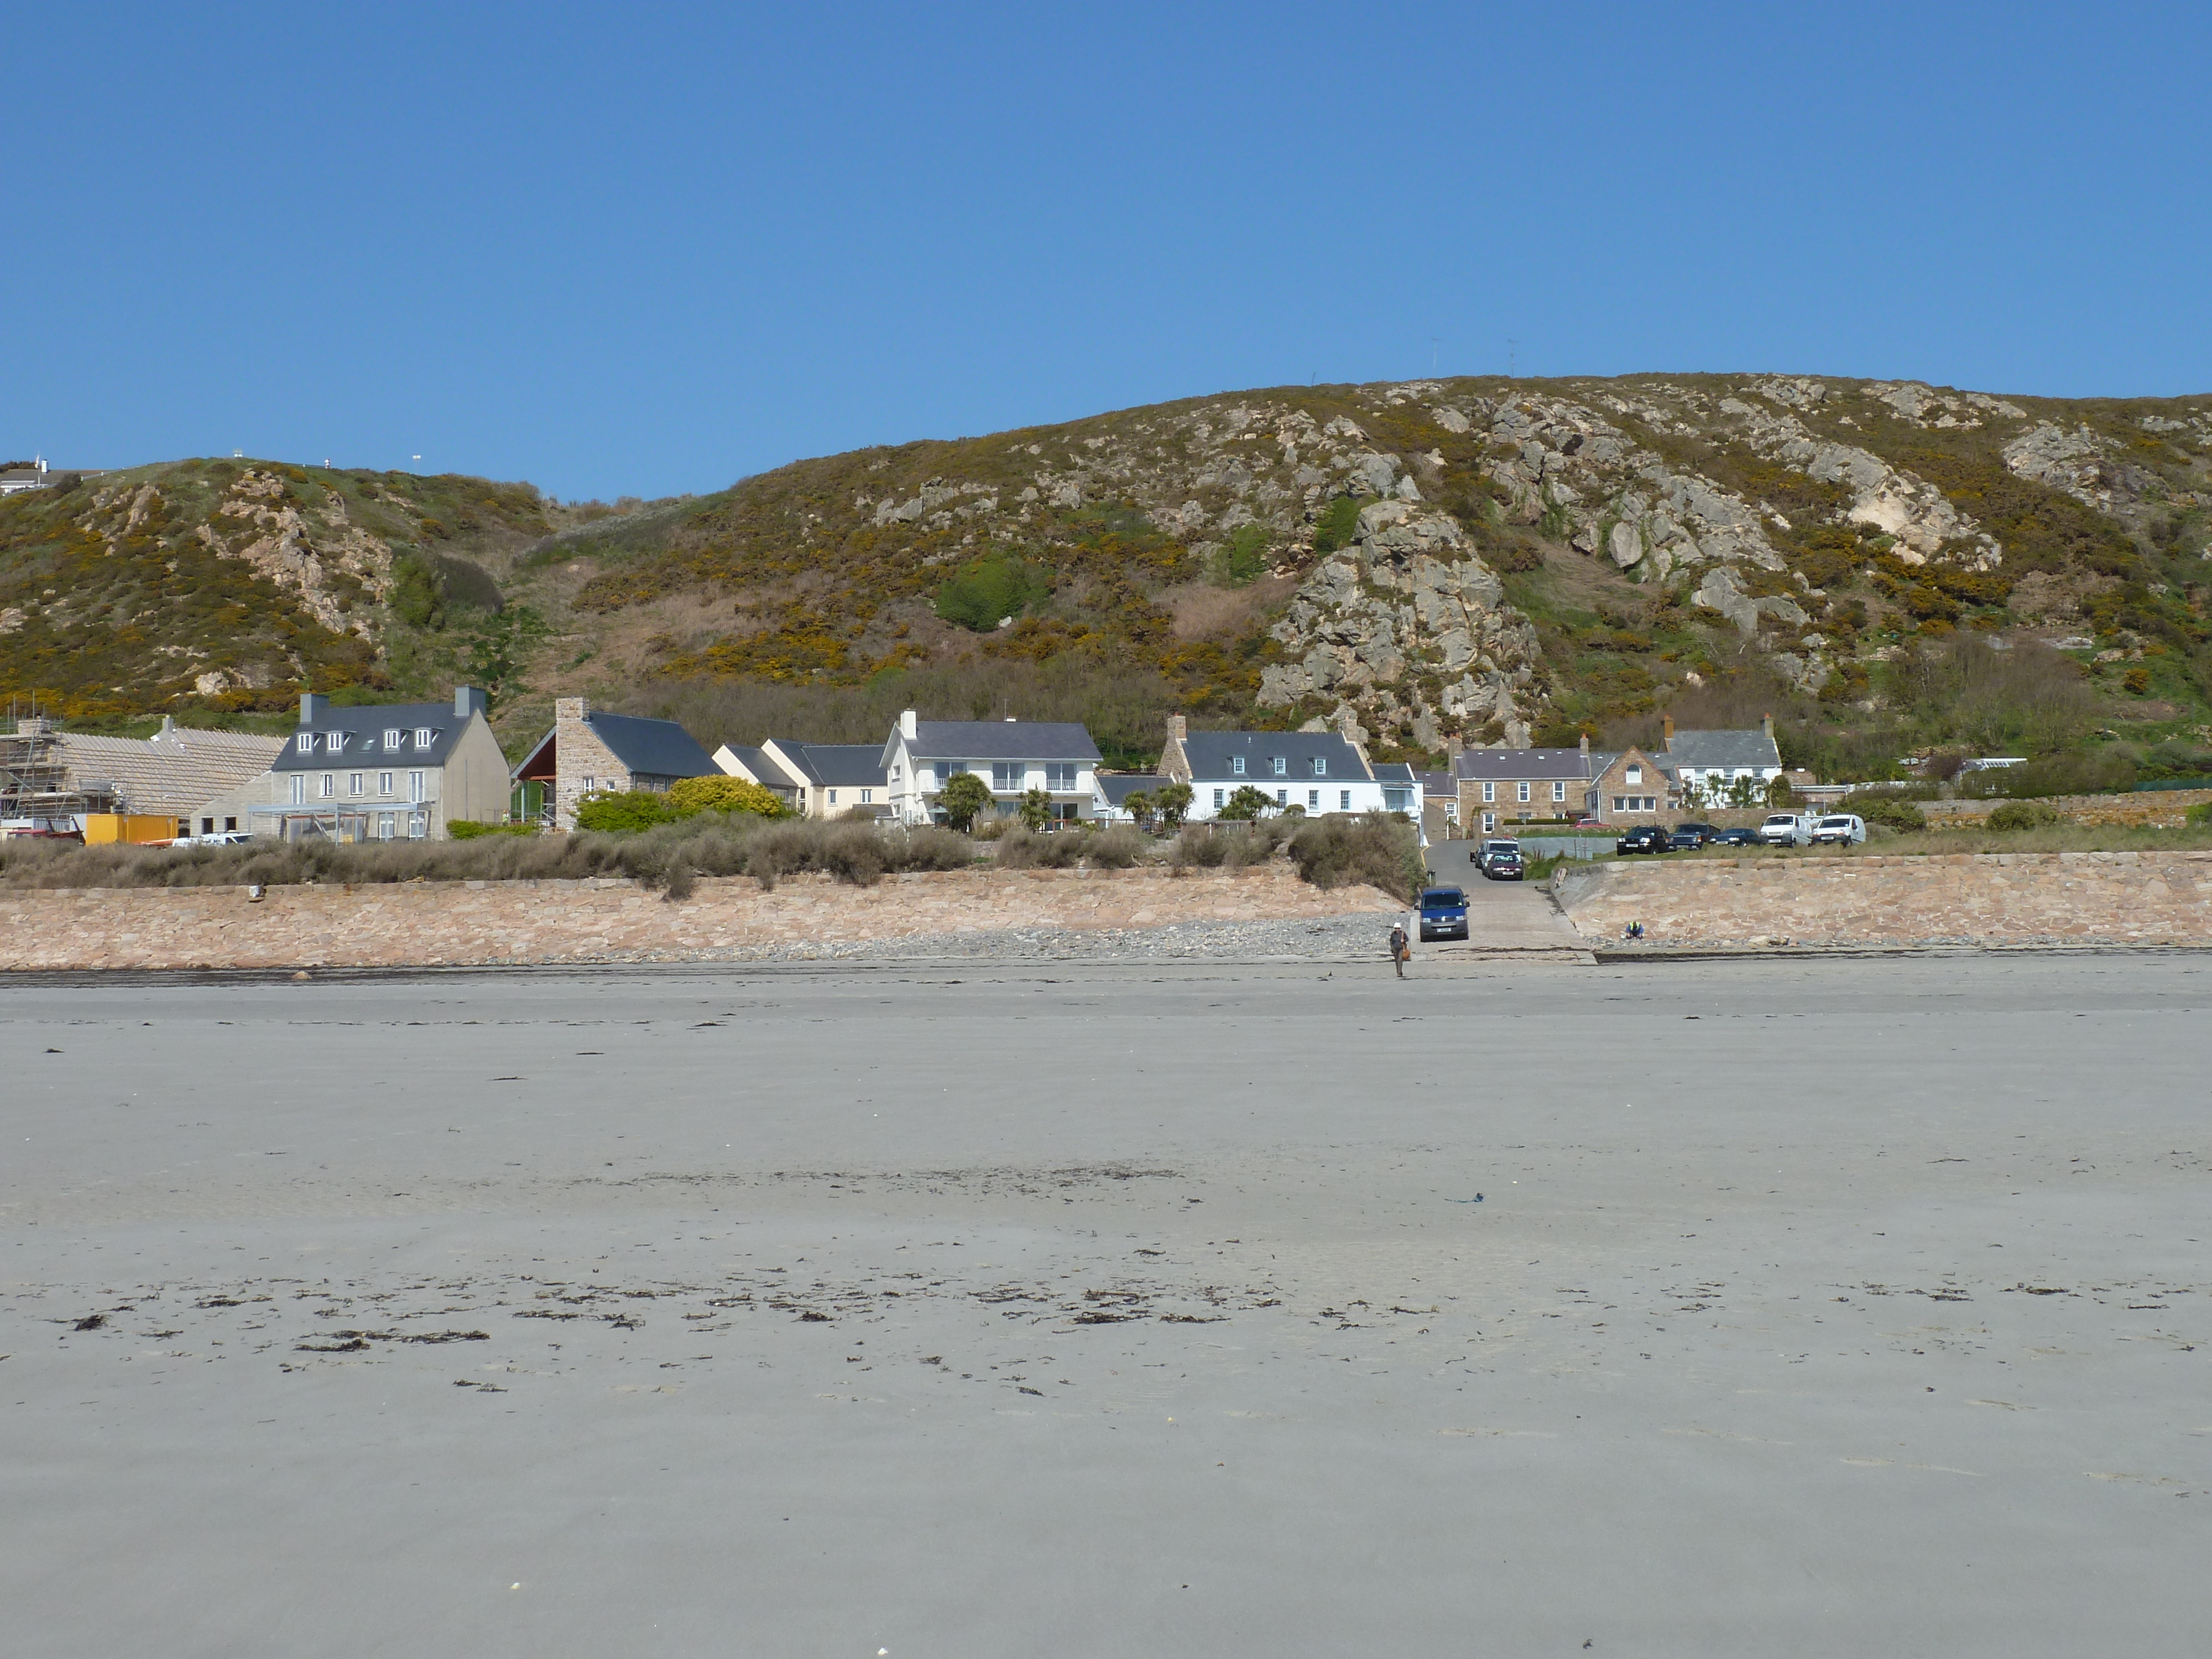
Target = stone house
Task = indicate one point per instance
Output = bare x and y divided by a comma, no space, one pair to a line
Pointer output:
382,771
1317,772
1630,788
1014,756
592,752
1497,786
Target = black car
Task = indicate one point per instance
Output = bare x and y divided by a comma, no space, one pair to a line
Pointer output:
1699,833
1736,838
1645,838
1685,841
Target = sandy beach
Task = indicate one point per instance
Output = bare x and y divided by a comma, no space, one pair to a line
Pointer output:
1722,1307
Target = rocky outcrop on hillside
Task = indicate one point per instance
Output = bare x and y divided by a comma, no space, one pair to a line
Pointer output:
1407,632
306,546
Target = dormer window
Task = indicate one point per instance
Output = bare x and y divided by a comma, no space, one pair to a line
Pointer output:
1237,766
421,737
1321,766
306,743
392,737
334,742
1282,766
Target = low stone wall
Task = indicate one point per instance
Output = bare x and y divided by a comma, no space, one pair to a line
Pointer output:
1974,898
2149,809
416,924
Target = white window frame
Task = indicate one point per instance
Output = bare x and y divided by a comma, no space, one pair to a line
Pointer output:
832,795
1559,791
1313,800
1489,822
417,787
1217,802
1281,765
1634,775
1007,777
1237,766
867,797
306,743
1345,803
1063,777
423,737
1282,797
299,789
354,781
384,785
391,740
330,785
1520,791
1321,766
1489,793
334,742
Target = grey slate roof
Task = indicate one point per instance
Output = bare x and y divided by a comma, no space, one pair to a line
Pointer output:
659,749
756,762
1118,787
362,730
1394,773
1441,784
1516,765
1749,747
835,765
973,740
1210,753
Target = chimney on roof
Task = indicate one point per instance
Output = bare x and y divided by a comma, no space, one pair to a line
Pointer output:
312,708
468,699
1454,746
1178,728
1585,735
1666,730
907,726
1766,724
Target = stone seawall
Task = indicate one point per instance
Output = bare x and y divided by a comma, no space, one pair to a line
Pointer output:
1977,898
418,924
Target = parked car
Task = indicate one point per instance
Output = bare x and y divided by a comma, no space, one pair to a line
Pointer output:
1500,860
1444,913
1592,824
1786,829
1685,841
1645,838
1736,838
1701,833
217,838
1839,830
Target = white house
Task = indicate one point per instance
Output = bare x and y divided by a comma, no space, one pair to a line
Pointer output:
821,780
1013,756
1707,766
1316,772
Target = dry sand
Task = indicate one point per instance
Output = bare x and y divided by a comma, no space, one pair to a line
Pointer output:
1712,1309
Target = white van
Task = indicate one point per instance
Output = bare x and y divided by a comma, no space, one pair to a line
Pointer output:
1786,829
1839,830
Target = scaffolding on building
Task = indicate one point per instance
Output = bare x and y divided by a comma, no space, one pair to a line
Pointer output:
38,796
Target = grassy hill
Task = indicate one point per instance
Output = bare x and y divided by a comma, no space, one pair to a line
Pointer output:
1475,560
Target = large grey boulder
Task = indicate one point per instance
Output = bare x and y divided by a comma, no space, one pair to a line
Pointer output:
1625,544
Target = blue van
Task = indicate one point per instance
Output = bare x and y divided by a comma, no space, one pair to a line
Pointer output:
1444,913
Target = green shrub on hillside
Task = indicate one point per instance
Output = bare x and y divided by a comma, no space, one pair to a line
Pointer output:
964,798
982,594
1244,557
1338,524
2023,815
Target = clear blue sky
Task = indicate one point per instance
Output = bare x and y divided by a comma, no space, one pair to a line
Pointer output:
645,249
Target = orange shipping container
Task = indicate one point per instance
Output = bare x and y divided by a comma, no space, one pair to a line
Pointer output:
134,828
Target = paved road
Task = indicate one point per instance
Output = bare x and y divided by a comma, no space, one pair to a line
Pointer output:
1504,918
1712,1309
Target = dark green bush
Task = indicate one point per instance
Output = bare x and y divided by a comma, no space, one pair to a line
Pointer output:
624,813
470,830
1244,557
1338,524
979,595
2024,815
1892,812
1378,848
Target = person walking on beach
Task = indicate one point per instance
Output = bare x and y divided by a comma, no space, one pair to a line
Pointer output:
1400,949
